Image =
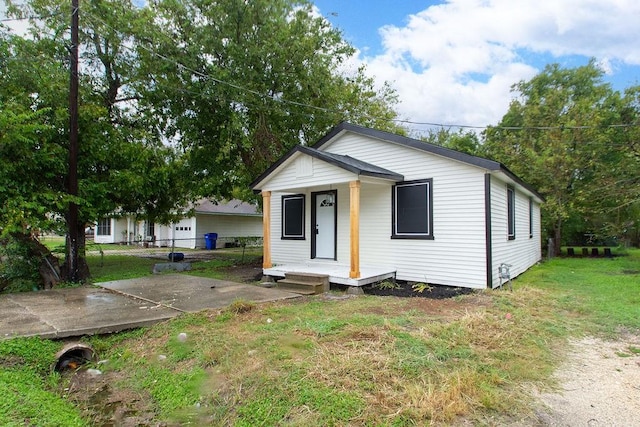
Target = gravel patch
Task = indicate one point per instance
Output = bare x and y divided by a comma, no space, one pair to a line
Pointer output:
599,385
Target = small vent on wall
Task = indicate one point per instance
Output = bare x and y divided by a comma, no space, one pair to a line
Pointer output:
304,167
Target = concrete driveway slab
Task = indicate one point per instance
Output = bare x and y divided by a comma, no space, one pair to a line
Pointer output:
69,312
191,293
119,305
17,319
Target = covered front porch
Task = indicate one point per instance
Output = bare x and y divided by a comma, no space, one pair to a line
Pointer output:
317,214
337,273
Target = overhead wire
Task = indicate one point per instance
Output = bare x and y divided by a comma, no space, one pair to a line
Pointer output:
402,121
244,89
35,17
214,79
217,80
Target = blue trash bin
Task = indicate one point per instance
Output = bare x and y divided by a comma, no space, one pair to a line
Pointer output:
210,240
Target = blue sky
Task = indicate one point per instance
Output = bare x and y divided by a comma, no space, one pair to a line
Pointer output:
360,23
454,61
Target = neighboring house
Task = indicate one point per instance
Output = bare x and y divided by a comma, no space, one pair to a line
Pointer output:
229,220
361,205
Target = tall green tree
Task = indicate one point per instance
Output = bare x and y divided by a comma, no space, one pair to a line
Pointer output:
180,100
123,163
243,82
463,141
561,135
612,205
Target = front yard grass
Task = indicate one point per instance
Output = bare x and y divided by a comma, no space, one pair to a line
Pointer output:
332,360
606,291
123,266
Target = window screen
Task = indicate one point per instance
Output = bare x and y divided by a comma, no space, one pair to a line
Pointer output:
511,213
293,217
412,210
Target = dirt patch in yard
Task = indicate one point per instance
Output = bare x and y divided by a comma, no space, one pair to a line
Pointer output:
452,308
598,385
106,404
247,272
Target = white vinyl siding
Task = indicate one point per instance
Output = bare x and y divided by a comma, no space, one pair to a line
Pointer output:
521,252
287,251
227,227
304,175
456,256
375,226
115,229
321,173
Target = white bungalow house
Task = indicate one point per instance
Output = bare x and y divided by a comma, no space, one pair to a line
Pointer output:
229,220
361,205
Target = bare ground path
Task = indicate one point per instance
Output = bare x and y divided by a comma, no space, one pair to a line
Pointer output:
599,385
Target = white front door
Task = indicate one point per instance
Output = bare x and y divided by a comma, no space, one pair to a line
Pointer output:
325,225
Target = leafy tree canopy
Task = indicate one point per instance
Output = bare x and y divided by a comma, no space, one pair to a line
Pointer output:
575,139
464,141
178,100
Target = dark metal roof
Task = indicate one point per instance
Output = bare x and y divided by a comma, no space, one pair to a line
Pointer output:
409,142
231,207
480,162
352,165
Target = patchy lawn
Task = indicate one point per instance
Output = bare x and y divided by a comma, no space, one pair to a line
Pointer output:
473,359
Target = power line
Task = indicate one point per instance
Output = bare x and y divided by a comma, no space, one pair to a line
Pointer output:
327,110
280,100
33,17
403,121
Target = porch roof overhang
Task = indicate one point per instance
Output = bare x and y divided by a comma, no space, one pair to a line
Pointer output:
358,167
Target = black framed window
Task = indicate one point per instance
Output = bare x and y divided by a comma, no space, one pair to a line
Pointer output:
104,227
293,217
412,207
511,213
149,228
530,217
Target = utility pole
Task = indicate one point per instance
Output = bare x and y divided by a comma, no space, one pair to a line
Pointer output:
72,218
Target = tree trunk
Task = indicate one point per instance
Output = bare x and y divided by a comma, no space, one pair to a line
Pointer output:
48,265
83,267
557,238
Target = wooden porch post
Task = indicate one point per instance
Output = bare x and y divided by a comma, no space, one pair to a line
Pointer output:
266,229
354,216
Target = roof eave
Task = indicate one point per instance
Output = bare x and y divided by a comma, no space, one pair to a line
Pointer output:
272,168
408,142
503,169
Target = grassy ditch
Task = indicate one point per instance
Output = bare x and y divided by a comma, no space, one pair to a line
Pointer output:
29,390
333,360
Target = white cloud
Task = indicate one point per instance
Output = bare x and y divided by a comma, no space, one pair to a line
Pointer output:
455,62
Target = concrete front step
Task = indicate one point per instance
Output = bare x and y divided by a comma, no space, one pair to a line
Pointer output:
307,277
305,283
